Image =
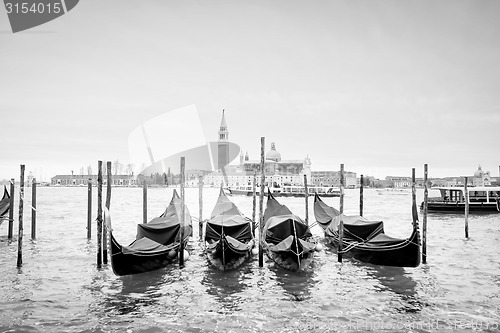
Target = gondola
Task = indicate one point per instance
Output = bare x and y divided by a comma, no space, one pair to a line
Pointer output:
286,238
365,240
4,205
157,242
228,235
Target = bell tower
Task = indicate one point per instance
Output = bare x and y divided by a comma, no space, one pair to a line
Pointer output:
223,144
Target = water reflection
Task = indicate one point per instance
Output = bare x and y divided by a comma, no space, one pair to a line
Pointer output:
143,283
297,285
227,286
127,294
399,282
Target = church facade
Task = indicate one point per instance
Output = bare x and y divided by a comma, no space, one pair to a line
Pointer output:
277,170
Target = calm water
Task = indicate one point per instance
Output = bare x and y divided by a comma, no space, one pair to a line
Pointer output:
59,288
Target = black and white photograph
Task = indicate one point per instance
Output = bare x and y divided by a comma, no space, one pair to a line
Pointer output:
250,166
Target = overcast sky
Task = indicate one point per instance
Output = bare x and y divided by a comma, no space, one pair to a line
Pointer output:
381,86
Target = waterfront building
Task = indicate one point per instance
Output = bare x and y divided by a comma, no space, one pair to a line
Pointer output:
402,182
481,178
447,181
82,180
332,178
399,182
278,171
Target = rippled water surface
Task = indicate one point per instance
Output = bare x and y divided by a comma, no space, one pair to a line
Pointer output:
60,289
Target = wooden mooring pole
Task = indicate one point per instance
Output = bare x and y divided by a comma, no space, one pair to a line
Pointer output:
261,200
200,204
144,201
341,223
306,192
108,204
33,209
424,218
254,201
413,193
361,196
183,198
99,214
89,209
11,209
466,210
21,207
413,187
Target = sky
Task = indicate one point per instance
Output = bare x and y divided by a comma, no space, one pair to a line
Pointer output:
380,86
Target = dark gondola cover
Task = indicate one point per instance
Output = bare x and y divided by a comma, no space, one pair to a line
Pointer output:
286,237
228,235
156,244
4,204
366,241
165,229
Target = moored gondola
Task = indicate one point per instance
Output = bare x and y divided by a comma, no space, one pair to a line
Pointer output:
365,240
228,235
4,205
157,242
287,239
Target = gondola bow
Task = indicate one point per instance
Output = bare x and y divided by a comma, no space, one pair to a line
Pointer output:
228,235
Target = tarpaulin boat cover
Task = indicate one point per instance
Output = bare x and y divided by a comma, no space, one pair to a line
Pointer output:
384,240
356,227
235,226
278,228
288,244
224,206
227,220
5,202
274,208
323,213
232,243
238,246
163,233
165,229
144,246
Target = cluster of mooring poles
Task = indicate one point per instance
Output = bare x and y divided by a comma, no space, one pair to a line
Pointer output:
102,240
101,229
10,231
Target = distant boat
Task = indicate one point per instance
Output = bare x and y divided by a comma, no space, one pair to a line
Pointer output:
157,242
287,190
287,239
393,191
365,240
228,235
4,204
482,199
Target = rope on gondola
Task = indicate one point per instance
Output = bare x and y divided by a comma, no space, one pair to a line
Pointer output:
352,245
357,244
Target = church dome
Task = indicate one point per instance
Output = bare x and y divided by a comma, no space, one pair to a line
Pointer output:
273,154
478,173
